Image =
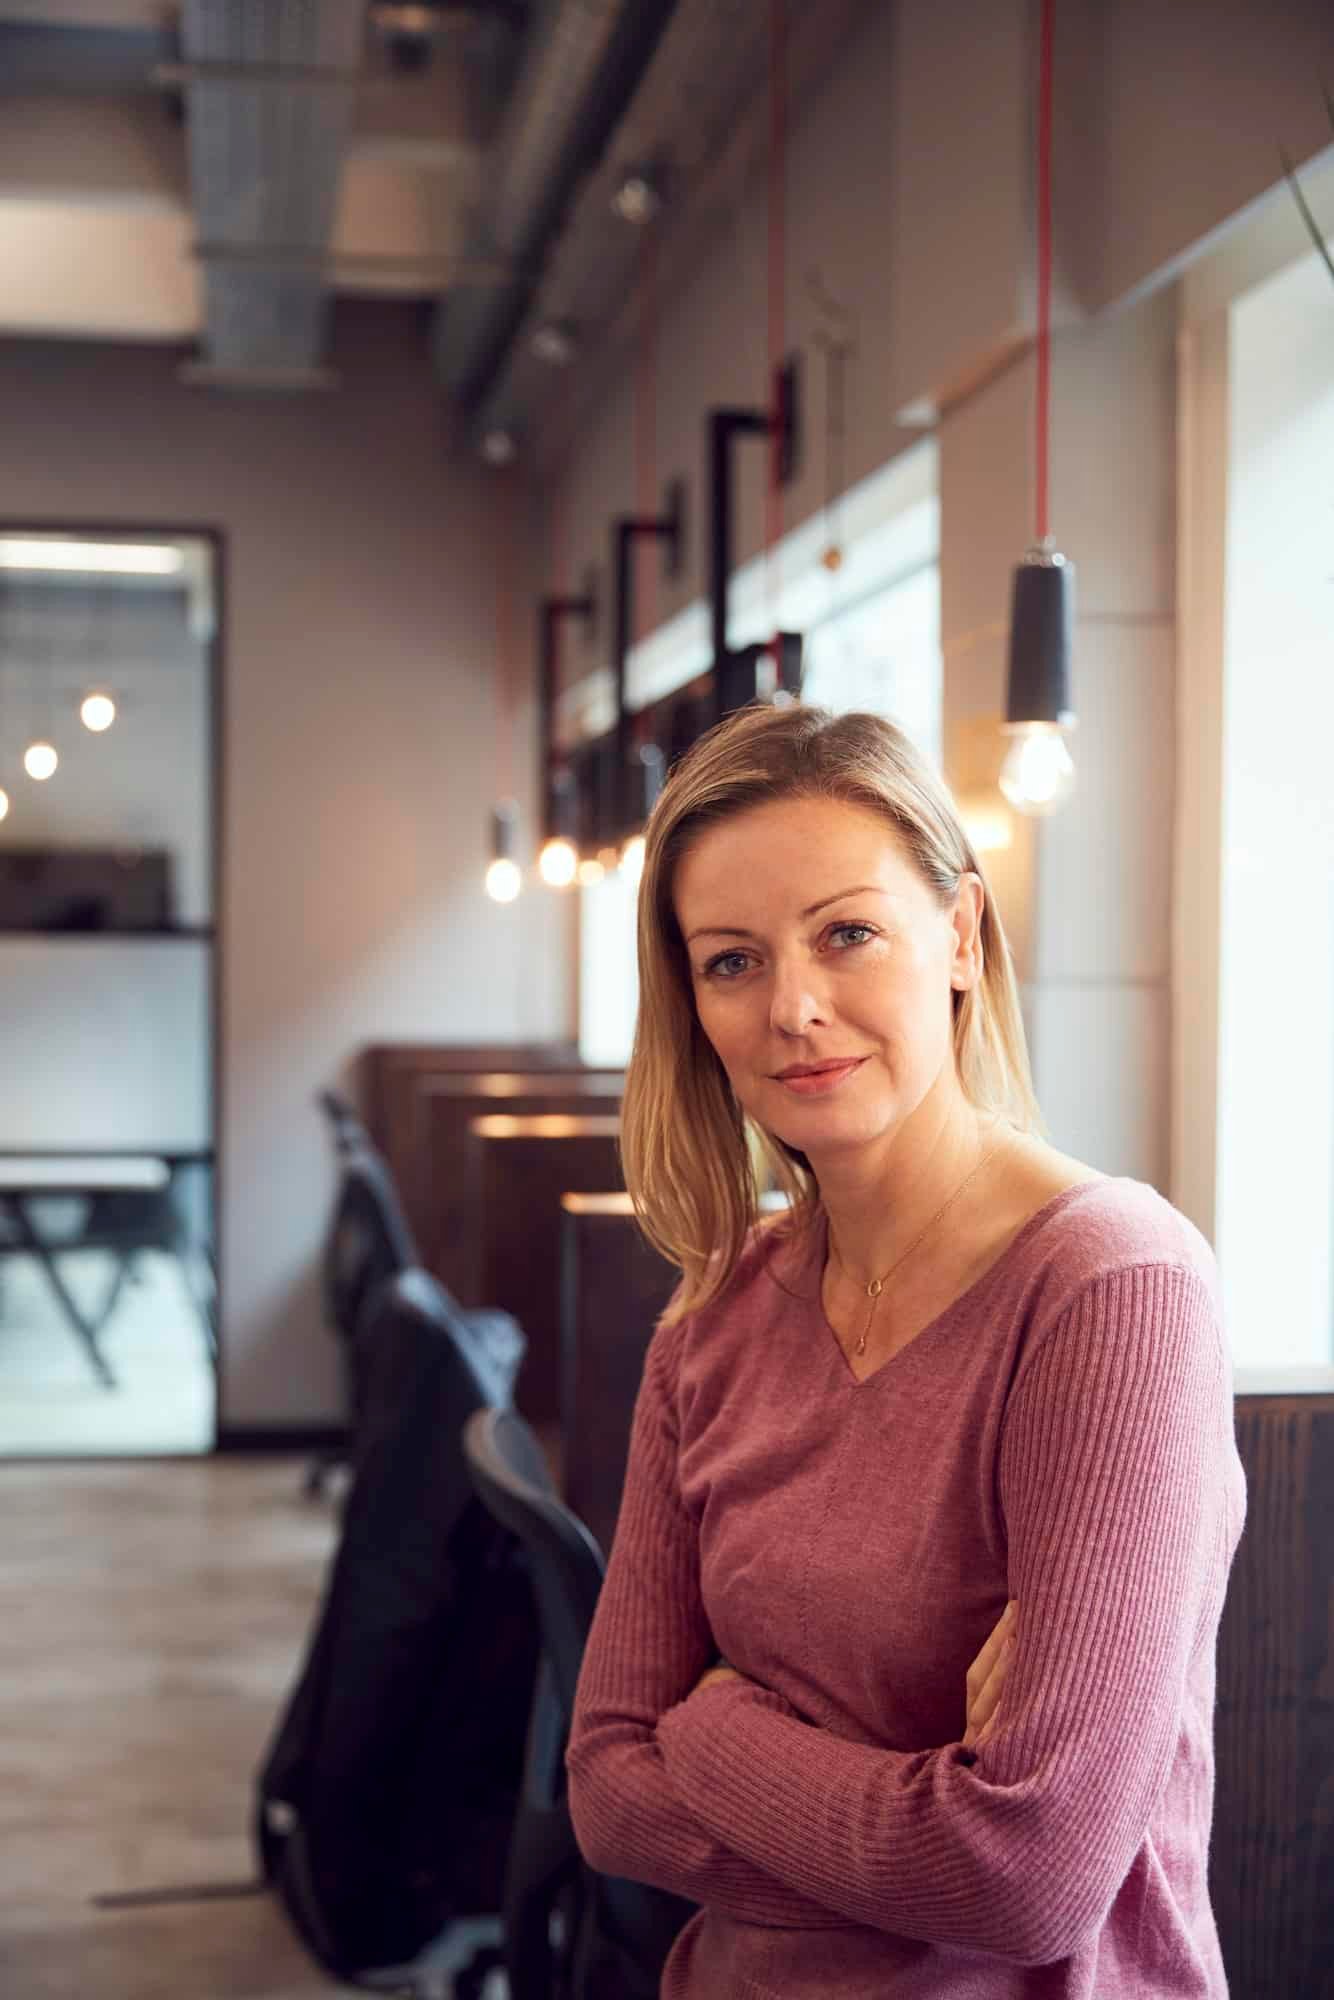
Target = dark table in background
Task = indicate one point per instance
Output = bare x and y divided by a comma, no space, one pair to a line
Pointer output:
35,1174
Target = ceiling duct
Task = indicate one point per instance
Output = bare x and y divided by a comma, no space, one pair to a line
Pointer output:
587,60
270,88
700,114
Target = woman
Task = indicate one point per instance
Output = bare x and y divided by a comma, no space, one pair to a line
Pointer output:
962,1370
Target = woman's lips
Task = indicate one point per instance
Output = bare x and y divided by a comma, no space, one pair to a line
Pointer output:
820,1082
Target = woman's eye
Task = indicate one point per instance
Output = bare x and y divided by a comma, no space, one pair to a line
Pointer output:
852,934
727,965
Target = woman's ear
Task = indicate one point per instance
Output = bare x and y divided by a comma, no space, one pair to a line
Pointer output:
969,903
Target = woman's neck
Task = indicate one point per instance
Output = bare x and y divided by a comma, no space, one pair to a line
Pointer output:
880,1197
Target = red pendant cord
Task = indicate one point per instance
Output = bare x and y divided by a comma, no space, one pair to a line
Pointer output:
777,278
1044,265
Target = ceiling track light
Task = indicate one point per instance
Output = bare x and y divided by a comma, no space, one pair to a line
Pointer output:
639,196
554,342
498,447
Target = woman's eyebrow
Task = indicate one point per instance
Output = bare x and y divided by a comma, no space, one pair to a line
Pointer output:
731,930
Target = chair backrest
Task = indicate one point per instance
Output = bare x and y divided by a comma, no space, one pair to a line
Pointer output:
623,1930
369,1239
510,1473
398,1765
346,1128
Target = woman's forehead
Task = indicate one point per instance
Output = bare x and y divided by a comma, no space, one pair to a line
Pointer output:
793,852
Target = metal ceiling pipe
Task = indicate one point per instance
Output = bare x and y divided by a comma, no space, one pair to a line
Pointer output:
269,101
567,100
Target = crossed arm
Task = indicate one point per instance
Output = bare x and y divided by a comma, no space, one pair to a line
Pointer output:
1108,1480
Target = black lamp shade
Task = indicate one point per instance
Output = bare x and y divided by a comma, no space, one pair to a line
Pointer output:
1042,621
647,769
563,814
504,825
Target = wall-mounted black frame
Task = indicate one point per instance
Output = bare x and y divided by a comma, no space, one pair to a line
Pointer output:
667,528
213,933
552,612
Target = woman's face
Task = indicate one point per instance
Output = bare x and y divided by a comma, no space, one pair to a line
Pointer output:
823,968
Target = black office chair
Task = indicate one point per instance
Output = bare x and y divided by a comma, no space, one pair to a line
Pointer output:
369,1241
387,1796
568,1931
345,1124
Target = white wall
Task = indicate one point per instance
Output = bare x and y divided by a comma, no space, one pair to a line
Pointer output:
360,651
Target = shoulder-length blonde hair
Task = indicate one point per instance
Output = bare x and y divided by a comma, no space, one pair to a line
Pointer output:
692,1158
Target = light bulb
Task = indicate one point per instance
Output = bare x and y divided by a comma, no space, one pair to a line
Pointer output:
98,712
1038,774
503,881
557,863
40,761
590,871
632,857
4,804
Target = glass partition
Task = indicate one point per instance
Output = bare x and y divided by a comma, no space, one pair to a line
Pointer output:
107,979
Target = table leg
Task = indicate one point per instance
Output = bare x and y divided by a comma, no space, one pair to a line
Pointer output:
77,1318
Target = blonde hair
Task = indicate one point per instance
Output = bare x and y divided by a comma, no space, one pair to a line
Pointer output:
693,1160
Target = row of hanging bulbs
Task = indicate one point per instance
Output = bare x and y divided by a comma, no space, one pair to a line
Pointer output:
560,865
41,759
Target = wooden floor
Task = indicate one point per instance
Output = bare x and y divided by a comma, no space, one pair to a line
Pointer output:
151,1619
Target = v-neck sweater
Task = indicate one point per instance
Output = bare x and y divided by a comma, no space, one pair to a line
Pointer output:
1061,1434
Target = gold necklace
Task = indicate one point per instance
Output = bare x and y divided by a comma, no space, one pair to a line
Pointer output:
877,1285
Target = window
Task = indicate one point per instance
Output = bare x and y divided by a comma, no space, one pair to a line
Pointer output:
1275,1148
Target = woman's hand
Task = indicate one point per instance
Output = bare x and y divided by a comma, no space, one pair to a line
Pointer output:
720,1671
986,1677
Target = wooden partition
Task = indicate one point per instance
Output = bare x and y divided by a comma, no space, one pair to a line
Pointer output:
614,1285
450,1149
525,1165
393,1087
1272,1858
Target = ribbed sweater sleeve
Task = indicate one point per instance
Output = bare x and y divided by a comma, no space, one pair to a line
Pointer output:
1110,1481
650,1641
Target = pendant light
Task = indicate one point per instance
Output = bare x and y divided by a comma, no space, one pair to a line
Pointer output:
40,760
503,880
1038,774
4,804
558,862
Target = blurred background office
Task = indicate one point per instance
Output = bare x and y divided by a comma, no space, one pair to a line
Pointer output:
417,423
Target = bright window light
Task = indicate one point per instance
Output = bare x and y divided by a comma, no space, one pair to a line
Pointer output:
110,558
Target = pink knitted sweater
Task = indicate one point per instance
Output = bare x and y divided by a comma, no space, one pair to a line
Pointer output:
1061,1434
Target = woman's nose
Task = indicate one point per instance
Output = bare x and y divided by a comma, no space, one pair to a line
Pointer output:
795,1006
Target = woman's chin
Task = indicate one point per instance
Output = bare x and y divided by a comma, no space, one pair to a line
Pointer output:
826,1130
